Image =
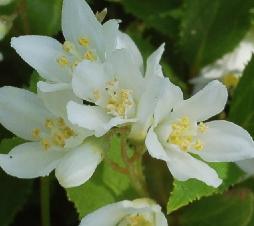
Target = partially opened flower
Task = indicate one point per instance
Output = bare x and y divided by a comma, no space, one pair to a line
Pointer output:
228,69
179,135
120,92
86,38
140,212
54,143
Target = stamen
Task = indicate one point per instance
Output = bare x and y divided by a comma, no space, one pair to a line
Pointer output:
89,55
202,127
199,146
96,94
68,46
183,135
36,133
63,61
230,80
84,42
45,144
49,123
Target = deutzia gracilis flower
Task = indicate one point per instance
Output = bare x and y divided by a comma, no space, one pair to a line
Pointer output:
140,212
228,69
54,142
247,166
86,38
179,133
120,92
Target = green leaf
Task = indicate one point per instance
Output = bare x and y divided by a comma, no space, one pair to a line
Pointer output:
106,186
13,192
185,192
162,15
45,16
212,28
241,109
235,208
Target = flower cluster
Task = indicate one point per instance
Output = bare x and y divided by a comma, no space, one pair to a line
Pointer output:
95,83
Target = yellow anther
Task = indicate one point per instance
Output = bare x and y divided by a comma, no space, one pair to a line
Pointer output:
59,139
184,145
185,122
68,46
45,144
198,145
60,122
202,127
49,123
96,94
89,55
68,132
63,61
36,133
136,220
84,42
230,80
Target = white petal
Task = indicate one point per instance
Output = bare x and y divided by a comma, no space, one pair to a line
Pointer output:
111,214
21,111
110,32
151,101
169,96
247,166
30,160
78,20
78,165
41,53
88,77
183,167
226,142
93,118
56,97
125,42
153,67
126,71
206,103
154,146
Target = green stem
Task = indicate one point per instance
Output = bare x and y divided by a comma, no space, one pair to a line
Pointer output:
135,170
45,201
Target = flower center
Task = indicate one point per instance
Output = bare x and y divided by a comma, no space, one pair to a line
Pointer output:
184,134
72,56
230,80
57,133
119,102
135,220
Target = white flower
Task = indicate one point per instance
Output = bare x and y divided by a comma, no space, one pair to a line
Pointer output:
179,133
86,38
228,69
54,142
120,92
140,212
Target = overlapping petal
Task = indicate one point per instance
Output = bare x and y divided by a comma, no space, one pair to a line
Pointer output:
30,160
41,53
78,165
22,111
226,142
206,103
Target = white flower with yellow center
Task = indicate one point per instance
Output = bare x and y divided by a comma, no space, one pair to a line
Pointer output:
179,133
228,69
54,142
121,93
140,212
86,39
